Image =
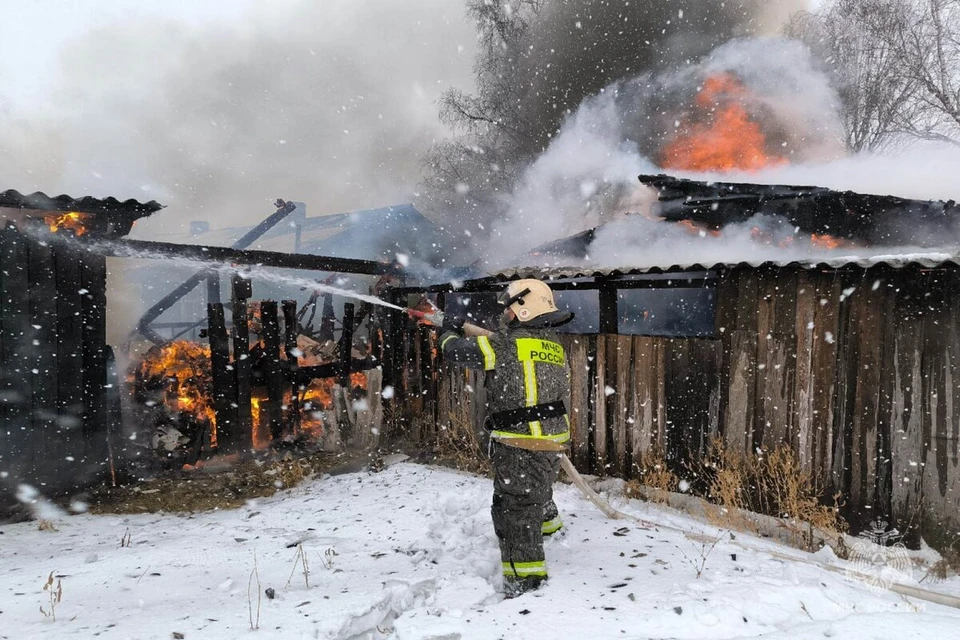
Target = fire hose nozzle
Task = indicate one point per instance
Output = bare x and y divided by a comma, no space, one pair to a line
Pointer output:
433,317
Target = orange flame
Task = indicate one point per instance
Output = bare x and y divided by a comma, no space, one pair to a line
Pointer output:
70,220
825,241
719,134
694,229
186,367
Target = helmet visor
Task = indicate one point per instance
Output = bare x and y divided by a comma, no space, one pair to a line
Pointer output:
506,299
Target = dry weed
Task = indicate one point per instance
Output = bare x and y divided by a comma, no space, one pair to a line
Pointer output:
653,473
458,443
947,565
785,490
46,525
771,483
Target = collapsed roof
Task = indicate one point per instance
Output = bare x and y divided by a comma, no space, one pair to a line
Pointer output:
871,219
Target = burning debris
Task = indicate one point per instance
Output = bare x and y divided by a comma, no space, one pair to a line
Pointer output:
832,219
174,388
73,221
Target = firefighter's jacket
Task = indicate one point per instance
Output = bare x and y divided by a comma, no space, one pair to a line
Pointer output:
527,383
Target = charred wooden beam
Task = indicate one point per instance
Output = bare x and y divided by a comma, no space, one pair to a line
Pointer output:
289,308
242,363
304,375
224,383
143,325
236,256
870,218
346,345
213,287
272,367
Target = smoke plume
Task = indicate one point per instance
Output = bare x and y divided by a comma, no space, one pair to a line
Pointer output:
577,47
588,175
329,103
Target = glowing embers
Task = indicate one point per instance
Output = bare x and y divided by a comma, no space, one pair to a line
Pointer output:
824,241
718,133
183,368
316,406
695,229
72,221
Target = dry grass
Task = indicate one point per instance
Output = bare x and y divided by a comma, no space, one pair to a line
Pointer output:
654,473
46,525
784,490
948,565
459,446
192,491
770,483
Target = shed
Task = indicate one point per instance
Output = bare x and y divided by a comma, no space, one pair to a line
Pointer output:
55,414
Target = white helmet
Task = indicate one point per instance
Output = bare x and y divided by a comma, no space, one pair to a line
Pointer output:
528,299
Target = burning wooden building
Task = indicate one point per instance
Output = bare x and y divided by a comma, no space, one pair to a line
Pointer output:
57,387
851,362
263,375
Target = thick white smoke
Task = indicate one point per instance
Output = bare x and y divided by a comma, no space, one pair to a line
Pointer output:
331,103
588,175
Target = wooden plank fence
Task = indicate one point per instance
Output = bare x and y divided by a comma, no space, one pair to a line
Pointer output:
857,370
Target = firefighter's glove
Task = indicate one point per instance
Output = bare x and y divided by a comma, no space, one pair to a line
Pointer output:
452,324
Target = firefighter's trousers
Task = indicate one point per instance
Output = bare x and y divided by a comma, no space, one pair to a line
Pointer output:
523,508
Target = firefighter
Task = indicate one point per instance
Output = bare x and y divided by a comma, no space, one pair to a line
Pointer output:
527,381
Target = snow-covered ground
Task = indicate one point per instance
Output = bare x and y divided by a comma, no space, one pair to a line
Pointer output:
410,553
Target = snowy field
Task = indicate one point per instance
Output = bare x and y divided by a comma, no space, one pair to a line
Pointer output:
410,553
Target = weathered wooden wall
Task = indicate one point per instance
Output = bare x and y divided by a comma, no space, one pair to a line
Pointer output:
855,369
54,417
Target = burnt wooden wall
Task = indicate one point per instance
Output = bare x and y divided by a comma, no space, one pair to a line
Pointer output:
54,414
855,369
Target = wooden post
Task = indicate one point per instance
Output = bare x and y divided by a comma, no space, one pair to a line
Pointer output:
224,382
213,286
346,345
272,371
608,309
241,362
346,358
290,344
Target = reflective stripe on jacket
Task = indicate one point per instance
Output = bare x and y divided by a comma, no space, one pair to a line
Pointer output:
525,367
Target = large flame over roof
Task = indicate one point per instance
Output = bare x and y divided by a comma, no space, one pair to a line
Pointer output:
718,133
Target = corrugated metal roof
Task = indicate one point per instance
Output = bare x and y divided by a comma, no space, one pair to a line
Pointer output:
895,261
86,204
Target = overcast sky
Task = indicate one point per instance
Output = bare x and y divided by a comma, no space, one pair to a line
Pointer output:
35,32
218,107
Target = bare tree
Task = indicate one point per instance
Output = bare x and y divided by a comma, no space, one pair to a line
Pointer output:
895,64
878,101
466,176
925,38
